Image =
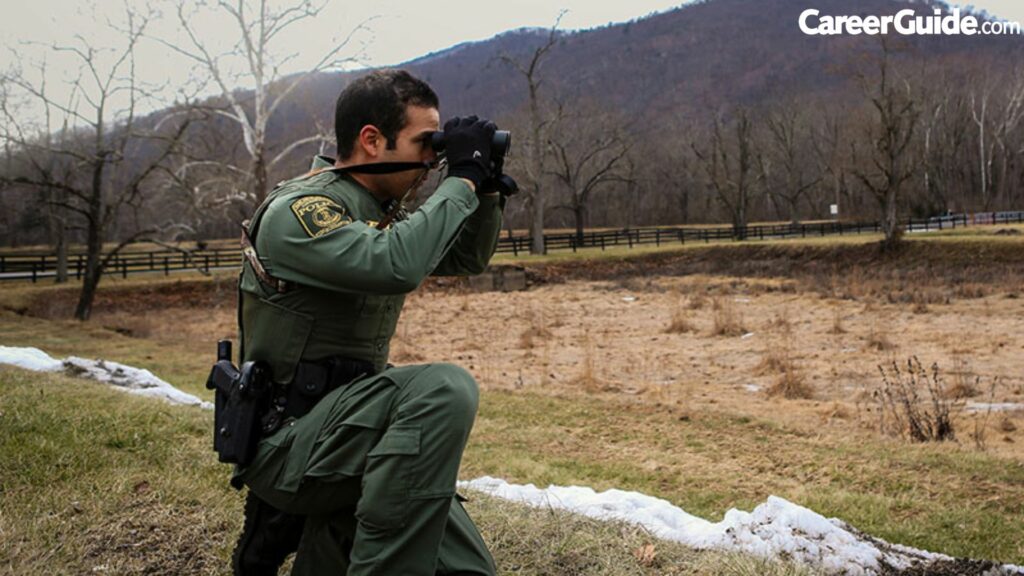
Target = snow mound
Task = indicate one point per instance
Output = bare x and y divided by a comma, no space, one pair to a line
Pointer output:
120,376
30,359
776,528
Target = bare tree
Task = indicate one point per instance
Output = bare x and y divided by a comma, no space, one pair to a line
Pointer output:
996,120
589,151
252,60
103,157
787,174
728,163
530,71
829,142
890,134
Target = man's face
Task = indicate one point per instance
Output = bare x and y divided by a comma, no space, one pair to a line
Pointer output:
412,144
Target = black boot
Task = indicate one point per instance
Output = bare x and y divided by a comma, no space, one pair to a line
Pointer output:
268,537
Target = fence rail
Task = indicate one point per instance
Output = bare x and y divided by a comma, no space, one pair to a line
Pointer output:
21,266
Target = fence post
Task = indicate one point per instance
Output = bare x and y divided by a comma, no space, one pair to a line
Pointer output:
151,264
515,245
124,268
33,272
206,262
602,243
78,267
167,265
682,236
629,240
3,263
657,237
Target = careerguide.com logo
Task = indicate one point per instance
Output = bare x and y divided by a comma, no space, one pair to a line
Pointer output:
905,22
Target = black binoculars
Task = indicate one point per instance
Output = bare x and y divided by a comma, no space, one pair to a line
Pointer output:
501,143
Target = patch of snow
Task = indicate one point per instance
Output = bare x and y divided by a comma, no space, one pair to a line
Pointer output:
134,380
747,335
120,376
743,300
751,387
629,298
776,528
30,359
995,407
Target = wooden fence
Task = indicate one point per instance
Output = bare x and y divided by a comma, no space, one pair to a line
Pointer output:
21,266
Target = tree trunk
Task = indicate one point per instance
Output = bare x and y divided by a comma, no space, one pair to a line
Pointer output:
62,253
94,243
259,177
537,163
579,212
890,223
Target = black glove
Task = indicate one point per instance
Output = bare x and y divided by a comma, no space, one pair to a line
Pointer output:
467,143
500,183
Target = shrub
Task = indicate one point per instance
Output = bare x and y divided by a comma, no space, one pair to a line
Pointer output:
912,403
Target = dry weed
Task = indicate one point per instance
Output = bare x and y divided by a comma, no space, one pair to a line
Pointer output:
878,339
912,403
537,332
791,384
966,384
680,322
837,322
697,301
727,320
835,411
778,358
588,379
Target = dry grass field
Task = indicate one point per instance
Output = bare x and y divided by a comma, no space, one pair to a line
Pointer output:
711,377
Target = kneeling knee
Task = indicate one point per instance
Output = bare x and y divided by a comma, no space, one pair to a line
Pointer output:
456,386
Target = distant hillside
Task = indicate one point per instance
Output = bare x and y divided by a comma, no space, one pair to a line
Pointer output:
675,63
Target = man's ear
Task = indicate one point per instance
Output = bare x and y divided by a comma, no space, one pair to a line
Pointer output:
371,140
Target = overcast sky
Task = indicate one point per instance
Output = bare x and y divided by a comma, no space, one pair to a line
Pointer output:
399,30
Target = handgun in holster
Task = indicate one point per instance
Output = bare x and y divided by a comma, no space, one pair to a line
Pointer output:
242,397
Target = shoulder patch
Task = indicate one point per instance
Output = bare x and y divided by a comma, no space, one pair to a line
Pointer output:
319,215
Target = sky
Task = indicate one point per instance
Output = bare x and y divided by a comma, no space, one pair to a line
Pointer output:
395,30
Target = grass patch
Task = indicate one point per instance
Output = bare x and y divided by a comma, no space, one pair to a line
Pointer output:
711,462
98,481
535,541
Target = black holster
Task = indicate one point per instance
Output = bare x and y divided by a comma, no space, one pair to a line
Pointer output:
242,397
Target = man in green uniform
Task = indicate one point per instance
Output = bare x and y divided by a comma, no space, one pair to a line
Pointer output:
365,460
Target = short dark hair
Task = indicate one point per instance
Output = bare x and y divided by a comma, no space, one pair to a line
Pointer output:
379,98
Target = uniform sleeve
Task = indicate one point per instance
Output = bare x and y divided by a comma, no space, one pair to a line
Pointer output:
472,250
351,256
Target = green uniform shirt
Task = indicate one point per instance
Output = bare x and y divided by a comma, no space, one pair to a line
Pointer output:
319,233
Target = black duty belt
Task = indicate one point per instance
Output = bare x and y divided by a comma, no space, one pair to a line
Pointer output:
313,381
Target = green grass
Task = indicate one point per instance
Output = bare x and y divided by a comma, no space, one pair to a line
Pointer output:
96,480
937,497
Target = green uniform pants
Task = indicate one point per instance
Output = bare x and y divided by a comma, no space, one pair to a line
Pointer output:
374,467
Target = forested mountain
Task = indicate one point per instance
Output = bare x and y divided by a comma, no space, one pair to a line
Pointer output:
667,83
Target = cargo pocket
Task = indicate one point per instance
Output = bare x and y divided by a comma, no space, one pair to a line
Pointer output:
342,452
389,467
